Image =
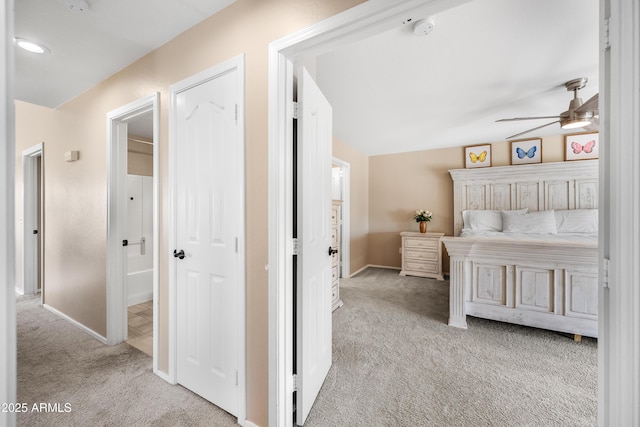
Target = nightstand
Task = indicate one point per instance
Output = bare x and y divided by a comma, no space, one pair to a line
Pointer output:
422,254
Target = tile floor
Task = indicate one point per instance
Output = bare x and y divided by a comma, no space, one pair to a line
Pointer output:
141,327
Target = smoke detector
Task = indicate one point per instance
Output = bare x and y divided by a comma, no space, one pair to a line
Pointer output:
76,5
424,26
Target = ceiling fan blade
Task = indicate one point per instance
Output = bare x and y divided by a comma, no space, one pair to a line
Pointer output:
594,125
532,129
590,105
527,118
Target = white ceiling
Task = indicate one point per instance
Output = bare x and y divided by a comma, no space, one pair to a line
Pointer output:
394,92
88,47
485,60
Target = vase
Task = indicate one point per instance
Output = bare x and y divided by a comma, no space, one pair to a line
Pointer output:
423,226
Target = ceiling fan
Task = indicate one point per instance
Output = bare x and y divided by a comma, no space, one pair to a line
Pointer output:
578,115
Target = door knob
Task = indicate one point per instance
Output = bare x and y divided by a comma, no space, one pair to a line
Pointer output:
332,251
178,254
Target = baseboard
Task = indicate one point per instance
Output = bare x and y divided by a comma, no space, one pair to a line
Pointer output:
19,291
249,424
163,376
373,266
91,332
140,298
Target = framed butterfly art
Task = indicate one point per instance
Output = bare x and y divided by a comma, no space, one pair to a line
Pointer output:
581,146
525,151
477,156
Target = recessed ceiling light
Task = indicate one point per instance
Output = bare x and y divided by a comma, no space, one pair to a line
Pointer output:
30,46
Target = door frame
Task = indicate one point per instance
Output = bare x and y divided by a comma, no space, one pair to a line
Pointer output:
236,63
30,206
361,21
345,231
117,216
8,346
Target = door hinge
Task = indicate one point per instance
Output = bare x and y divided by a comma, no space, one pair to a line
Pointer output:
236,245
605,39
296,110
296,386
236,377
236,114
295,246
605,273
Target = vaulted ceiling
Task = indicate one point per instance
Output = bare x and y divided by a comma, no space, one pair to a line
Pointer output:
484,60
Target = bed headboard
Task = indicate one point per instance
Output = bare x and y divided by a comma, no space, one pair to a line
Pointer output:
540,186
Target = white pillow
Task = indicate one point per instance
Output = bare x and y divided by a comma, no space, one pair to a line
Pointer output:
481,220
577,221
487,220
540,222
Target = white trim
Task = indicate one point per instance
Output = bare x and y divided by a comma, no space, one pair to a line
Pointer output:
8,364
374,266
117,216
77,324
249,424
30,218
345,235
365,19
235,63
619,342
19,291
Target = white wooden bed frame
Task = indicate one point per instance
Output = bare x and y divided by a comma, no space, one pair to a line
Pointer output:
537,283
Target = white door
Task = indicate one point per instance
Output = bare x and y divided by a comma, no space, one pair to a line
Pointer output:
207,229
313,282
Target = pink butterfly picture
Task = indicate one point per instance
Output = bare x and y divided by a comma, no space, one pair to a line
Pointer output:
581,146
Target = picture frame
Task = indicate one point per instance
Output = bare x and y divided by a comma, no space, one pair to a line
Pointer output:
477,156
524,151
581,146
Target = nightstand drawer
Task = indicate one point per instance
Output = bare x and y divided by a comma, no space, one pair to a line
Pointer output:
422,243
418,254
426,267
334,238
334,273
334,215
335,293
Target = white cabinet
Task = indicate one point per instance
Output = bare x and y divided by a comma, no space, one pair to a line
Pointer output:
422,254
335,256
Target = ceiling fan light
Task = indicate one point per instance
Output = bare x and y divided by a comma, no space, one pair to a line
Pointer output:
574,123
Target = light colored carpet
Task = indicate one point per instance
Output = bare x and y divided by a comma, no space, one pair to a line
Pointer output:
397,363
104,385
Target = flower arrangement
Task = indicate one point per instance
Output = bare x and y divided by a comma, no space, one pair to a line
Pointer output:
422,215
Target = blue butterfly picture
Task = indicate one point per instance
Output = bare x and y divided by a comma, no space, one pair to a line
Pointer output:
526,151
530,153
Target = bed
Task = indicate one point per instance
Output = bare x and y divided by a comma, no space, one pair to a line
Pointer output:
542,277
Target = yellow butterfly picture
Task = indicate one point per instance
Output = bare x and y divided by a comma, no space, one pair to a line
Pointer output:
477,156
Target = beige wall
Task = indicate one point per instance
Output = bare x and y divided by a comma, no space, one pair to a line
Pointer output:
358,203
75,193
401,183
139,158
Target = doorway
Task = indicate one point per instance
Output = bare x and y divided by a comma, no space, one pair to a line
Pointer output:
128,127
140,200
33,230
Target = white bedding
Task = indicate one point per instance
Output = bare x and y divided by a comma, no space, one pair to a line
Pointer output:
582,238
